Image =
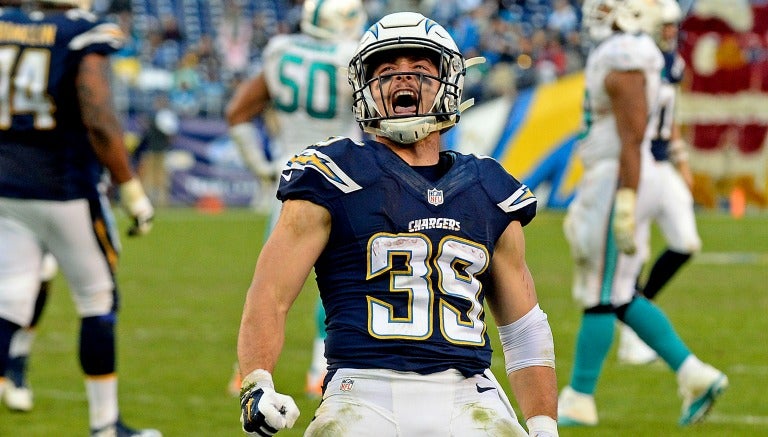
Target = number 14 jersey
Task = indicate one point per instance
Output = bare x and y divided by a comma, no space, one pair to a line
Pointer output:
44,149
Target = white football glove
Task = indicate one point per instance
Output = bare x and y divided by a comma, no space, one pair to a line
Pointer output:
264,411
542,426
137,205
624,220
244,137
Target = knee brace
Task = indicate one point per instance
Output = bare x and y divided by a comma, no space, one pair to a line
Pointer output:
97,344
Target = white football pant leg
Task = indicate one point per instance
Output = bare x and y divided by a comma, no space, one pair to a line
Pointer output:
20,260
85,265
585,228
383,403
677,219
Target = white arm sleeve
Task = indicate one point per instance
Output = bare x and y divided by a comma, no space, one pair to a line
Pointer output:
528,341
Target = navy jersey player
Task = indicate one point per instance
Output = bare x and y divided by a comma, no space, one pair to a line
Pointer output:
58,134
407,243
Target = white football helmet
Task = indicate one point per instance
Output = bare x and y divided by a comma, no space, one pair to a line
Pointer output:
403,32
602,17
333,19
671,12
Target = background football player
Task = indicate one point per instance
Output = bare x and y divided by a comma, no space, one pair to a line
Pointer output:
672,208
304,85
59,131
17,395
623,77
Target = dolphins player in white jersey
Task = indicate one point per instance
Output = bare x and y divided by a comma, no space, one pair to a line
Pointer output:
671,204
623,75
303,82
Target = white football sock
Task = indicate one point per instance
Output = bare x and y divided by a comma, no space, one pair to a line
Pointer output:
102,400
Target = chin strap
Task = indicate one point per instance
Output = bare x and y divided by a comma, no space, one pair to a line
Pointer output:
407,130
471,62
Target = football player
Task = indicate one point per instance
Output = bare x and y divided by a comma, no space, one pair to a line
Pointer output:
404,262
623,77
303,84
58,132
672,202
17,395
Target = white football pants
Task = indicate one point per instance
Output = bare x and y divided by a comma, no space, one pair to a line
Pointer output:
83,244
386,403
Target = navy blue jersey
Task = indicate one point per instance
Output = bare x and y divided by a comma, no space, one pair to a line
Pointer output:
405,270
44,148
672,74
674,67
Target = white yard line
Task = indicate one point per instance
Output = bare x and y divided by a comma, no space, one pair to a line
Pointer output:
727,258
737,420
748,369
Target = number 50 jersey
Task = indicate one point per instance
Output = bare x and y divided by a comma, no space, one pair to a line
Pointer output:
404,273
308,86
44,149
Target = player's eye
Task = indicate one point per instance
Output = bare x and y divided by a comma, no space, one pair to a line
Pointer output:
384,69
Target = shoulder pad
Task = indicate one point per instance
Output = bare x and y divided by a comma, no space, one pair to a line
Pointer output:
510,195
104,33
627,52
322,171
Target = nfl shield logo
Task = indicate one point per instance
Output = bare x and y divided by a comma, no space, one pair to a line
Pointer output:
435,196
346,384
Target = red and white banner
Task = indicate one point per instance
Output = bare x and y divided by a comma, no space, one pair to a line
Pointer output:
724,99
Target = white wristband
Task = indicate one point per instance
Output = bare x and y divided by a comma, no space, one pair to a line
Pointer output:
259,377
131,192
542,426
244,136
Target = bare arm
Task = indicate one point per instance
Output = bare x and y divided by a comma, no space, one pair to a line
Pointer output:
681,156
514,295
251,98
99,117
627,93
287,258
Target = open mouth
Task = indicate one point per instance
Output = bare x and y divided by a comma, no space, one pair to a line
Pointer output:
404,102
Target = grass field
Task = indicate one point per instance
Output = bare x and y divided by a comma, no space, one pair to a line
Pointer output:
183,288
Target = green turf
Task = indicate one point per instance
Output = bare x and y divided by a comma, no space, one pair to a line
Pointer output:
183,287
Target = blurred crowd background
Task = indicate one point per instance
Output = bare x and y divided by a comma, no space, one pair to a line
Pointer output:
186,57
196,51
